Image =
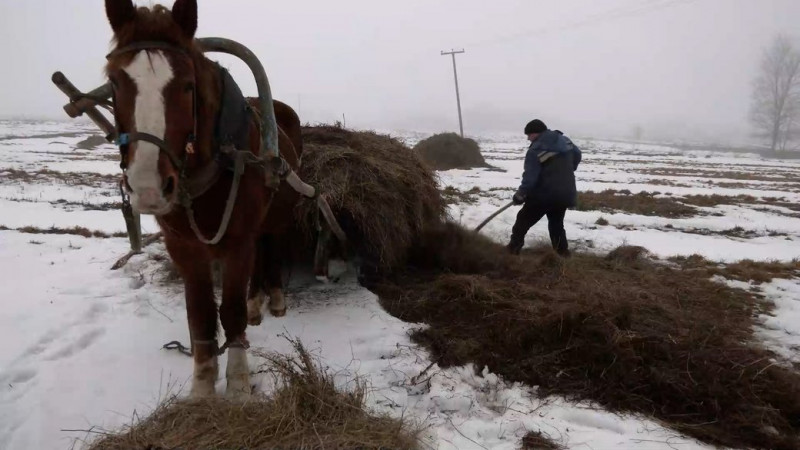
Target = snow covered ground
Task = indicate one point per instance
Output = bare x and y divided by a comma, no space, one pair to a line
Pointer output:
81,345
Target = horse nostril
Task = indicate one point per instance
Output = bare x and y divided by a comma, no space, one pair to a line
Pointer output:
169,186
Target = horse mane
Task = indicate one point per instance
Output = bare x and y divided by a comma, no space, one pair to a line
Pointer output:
157,24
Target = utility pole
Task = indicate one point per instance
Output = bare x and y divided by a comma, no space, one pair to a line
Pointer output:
299,105
453,53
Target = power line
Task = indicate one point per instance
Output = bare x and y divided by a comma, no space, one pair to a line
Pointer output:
606,16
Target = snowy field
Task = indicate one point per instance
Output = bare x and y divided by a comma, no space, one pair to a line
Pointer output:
81,345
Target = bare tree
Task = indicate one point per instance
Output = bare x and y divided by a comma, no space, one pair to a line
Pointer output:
775,109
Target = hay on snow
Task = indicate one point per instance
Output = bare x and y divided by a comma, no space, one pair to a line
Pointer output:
626,332
306,411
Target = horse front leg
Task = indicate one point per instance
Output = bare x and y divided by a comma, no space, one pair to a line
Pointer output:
202,317
238,266
255,298
273,254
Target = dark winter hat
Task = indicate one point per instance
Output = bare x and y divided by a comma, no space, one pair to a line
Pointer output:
535,126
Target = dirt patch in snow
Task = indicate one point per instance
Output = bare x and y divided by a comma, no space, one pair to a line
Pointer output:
654,204
775,176
746,270
77,231
642,203
48,176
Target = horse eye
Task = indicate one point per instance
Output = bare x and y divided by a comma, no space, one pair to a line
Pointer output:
189,87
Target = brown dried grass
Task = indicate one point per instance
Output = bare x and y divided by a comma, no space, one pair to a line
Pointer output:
453,196
77,231
643,203
773,176
745,270
535,440
649,204
627,333
382,193
90,179
716,200
306,412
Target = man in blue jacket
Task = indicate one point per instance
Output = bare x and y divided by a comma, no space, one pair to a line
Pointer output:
547,187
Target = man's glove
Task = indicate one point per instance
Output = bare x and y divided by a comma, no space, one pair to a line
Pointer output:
519,198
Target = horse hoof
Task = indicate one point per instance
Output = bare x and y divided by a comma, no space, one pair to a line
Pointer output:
277,303
254,319
254,315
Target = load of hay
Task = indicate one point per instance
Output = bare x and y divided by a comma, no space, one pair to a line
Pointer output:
382,193
447,151
306,411
623,331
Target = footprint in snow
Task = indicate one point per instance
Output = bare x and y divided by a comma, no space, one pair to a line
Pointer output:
17,376
592,419
82,343
41,345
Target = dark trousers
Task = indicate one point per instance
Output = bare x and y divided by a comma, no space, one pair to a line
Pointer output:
528,216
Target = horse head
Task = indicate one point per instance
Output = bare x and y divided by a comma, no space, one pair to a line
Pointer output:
157,77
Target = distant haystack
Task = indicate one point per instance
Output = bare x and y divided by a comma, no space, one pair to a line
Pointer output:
91,142
450,151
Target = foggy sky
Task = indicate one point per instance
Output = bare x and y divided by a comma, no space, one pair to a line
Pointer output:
681,68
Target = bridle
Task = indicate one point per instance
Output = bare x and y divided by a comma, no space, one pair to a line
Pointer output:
123,139
185,195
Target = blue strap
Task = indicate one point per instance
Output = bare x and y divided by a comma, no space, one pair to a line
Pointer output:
123,139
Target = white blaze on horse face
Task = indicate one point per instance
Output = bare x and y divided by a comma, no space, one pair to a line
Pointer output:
151,71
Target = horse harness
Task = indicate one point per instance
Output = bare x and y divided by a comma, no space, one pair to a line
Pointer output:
229,147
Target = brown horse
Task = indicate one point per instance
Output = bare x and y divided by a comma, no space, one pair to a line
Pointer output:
175,109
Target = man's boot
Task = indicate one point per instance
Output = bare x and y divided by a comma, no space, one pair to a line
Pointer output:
514,246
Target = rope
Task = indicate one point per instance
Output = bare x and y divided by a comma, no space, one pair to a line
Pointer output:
177,345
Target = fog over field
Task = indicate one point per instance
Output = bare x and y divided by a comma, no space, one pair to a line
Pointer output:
677,69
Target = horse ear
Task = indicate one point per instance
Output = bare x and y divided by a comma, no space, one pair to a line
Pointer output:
184,13
119,13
